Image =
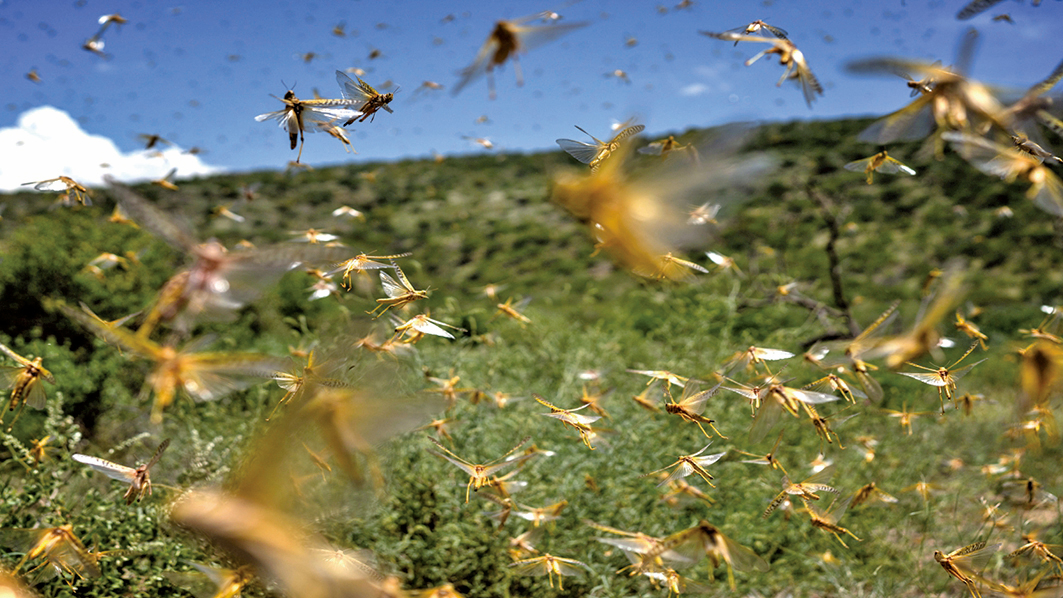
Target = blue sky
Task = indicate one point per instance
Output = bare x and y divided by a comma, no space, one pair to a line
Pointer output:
198,73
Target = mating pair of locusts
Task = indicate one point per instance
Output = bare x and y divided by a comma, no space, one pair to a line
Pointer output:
825,519
359,102
399,290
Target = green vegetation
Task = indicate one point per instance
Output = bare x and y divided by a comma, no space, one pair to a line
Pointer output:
487,219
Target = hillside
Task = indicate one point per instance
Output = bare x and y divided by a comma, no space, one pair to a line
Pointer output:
488,219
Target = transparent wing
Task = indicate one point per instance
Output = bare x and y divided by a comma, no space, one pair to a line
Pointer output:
391,288
531,37
987,156
574,418
870,385
856,392
209,376
454,459
426,326
732,36
765,419
834,512
892,166
810,487
570,567
533,566
584,152
718,258
479,66
321,118
49,185
1049,196
932,379
497,467
820,477
975,557
757,26
107,468
688,544
810,86
74,556
628,544
678,473
8,375
859,165
710,459
961,372
740,557
891,66
281,258
35,395
173,232
810,397
250,272
772,354
357,264
284,116
914,121
965,51
358,92
776,31
694,400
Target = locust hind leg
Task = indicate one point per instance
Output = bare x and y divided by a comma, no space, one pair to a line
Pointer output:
516,69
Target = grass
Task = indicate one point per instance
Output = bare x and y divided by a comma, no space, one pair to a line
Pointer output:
487,219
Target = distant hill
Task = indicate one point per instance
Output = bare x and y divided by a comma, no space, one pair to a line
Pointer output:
488,218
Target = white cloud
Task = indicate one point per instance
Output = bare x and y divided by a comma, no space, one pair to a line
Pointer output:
706,79
46,142
694,89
